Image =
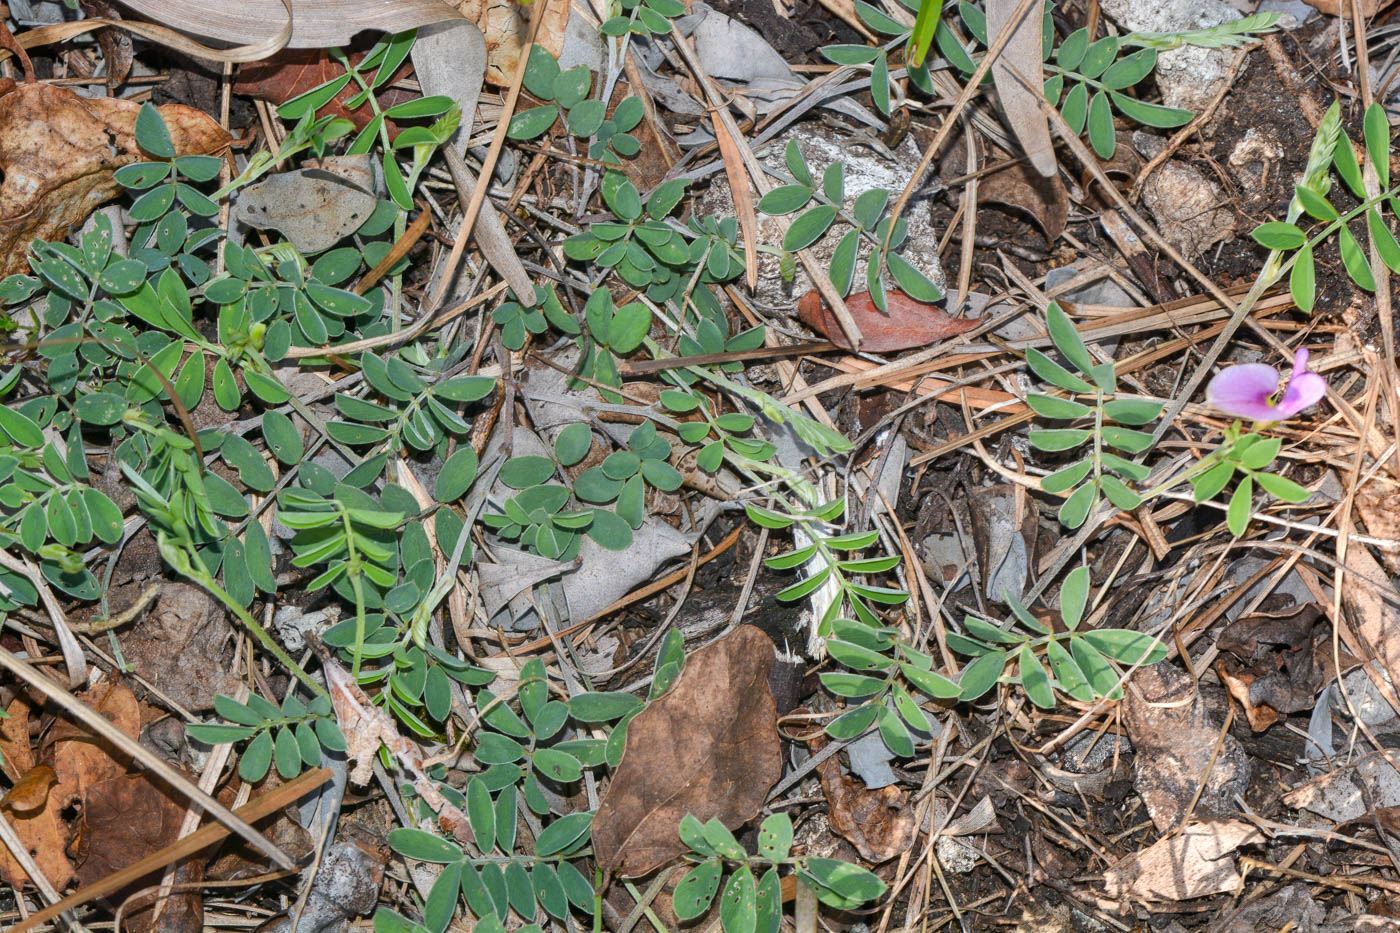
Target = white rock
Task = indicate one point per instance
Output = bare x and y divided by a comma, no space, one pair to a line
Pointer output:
1189,76
864,169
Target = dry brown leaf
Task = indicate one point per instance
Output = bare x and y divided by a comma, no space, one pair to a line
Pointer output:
45,836
31,791
16,756
295,71
1175,740
83,760
505,24
879,823
1269,663
1184,865
58,153
125,819
709,748
909,323
1018,75
316,24
1016,185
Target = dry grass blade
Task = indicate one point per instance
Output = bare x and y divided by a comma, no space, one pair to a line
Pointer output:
206,835
743,197
1020,103
140,753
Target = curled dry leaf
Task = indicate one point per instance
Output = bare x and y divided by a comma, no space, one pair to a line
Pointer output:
879,823
1375,620
709,747
290,72
58,154
1270,663
505,25
909,323
316,24
125,819
1184,865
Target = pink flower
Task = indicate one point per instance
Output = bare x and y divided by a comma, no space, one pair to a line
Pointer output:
1251,390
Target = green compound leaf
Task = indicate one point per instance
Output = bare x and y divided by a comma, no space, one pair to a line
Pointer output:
785,199
151,133
1101,135
981,675
424,846
1354,260
1209,484
1147,114
1074,596
1034,678
1126,646
738,904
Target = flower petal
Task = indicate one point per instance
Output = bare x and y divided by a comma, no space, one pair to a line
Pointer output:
1244,391
1304,391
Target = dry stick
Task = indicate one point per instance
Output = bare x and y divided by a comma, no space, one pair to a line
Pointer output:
950,121
396,252
1372,184
488,165
206,835
720,111
101,726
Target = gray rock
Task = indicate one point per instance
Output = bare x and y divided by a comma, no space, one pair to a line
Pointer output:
864,170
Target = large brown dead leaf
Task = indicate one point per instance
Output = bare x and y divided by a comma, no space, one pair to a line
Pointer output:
1378,502
879,823
40,827
1372,609
16,756
1017,186
58,153
709,748
910,323
295,71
